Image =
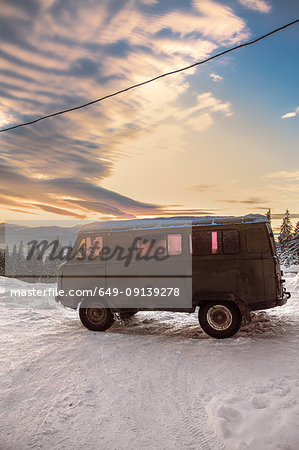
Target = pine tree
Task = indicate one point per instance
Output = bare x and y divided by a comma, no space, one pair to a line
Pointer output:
13,266
51,265
7,261
2,263
50,269
34,268
294,245
284,240
269,216
20,261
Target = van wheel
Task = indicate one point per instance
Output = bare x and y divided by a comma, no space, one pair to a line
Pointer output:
220,319
95,315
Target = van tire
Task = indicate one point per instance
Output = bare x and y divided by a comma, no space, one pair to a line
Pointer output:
219,319
95,315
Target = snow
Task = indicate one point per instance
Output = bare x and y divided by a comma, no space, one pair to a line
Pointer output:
158,382
292,269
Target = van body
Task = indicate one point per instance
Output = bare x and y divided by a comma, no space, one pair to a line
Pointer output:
226,266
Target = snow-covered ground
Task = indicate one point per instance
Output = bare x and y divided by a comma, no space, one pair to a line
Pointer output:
156,383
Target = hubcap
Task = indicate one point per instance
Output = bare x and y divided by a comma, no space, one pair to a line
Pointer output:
96,315
219,317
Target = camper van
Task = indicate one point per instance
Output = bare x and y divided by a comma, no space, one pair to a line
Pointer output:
224,267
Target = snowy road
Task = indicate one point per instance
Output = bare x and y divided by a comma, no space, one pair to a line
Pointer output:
157,383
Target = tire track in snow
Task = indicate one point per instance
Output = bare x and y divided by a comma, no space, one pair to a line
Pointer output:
193,431
175,411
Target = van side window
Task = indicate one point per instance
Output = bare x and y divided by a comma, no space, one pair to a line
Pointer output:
174,244
214,242
94,245
149,244
231,241
256,240
202,242
81,252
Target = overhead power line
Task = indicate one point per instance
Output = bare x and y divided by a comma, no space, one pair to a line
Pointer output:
134,86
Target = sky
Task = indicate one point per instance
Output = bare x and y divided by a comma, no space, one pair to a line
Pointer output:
219,139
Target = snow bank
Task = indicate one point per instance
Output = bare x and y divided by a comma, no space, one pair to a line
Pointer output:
292,277
15,293
291,269
265,418
295,282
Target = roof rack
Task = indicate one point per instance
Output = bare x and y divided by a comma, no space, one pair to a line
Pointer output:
169,222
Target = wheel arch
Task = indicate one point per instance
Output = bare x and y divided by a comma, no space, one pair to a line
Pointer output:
200,298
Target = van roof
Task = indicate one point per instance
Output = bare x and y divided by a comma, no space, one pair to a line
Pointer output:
169,222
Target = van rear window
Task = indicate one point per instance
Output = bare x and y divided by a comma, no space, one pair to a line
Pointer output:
214,242
256,240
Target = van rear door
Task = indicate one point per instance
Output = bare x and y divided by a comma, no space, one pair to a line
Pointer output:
278,272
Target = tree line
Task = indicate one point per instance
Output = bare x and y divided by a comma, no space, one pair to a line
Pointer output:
288,241
14,263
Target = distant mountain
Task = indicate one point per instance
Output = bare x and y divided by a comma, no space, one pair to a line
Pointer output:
13,234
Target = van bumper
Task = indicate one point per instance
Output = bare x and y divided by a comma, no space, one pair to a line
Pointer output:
285,297
270,303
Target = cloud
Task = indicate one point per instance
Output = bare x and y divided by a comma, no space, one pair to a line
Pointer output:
11,194
57,54
282,216
88,191
195,48
49,194
216,77
200,116
102,208
205,102
200,122
62,212
6,201
257,5
291,114
149,2
203,187
285,175
28,9
285,186
23,211
250,201
211,19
